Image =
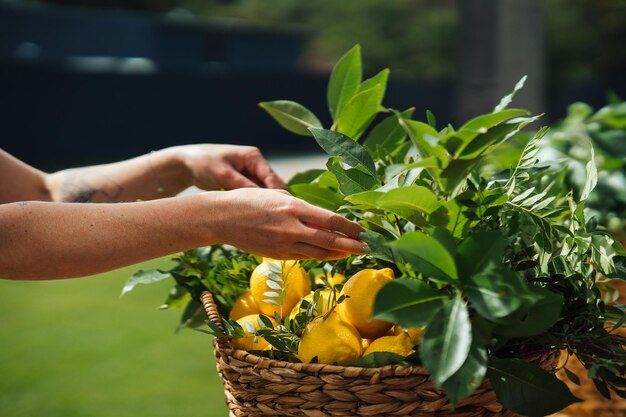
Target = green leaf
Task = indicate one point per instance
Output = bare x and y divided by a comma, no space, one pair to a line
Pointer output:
359,112
407,302
538,314
487,121
306,177
377,359
193,315
430,117
344,81
292,116
496,292
379,246
470,375
478,250
351,152
367,199
476,146
446,342
425,139
379,79
144,277
456,172
506,100
427,255
526,388
387,135
317,195
351,181
592,176
406,202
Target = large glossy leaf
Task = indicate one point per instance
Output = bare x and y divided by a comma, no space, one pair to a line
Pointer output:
538,314
526,388
470,375
351,152
306,177
317,195
352,180
479,250
344,81
292,116
496,292
405,201
386,136
447,340
408,303
368,199
360,111
427,255
144,277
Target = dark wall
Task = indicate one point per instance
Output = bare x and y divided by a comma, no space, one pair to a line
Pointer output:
53,117
193,83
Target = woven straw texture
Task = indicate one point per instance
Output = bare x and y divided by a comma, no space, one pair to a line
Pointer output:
256,386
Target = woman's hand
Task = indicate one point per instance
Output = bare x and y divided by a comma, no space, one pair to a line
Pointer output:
215,167
274,224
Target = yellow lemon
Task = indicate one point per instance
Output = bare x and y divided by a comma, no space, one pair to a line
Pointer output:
365,343
400,344
333,280
361,290
415,334
323,303
248,343
288,277
331,339
244,306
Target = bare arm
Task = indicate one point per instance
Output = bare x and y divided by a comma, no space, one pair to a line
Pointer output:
158,174
41,240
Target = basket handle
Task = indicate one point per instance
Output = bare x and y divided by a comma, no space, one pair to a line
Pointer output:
211,309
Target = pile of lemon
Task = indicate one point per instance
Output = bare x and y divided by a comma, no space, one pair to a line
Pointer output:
339,333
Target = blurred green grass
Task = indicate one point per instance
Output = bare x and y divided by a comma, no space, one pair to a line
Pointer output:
75,348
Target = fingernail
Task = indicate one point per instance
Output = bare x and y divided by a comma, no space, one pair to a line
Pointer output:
366,249
362,236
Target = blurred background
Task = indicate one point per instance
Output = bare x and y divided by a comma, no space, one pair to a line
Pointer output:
85,81
90,81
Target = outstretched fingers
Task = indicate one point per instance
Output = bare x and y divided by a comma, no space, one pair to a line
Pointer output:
305,251
327,220
332,241
258,168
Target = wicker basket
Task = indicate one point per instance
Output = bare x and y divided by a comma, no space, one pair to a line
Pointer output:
256,386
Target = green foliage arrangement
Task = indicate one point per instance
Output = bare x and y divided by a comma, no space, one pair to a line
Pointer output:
495,266
601,134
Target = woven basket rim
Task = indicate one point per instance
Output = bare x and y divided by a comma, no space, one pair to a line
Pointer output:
262,362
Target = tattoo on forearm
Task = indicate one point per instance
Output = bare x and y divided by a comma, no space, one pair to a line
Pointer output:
22,203
84,186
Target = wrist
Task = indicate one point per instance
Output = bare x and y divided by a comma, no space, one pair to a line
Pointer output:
211,212
170,170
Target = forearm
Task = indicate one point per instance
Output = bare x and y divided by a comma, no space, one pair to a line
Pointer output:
59,240
154,175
